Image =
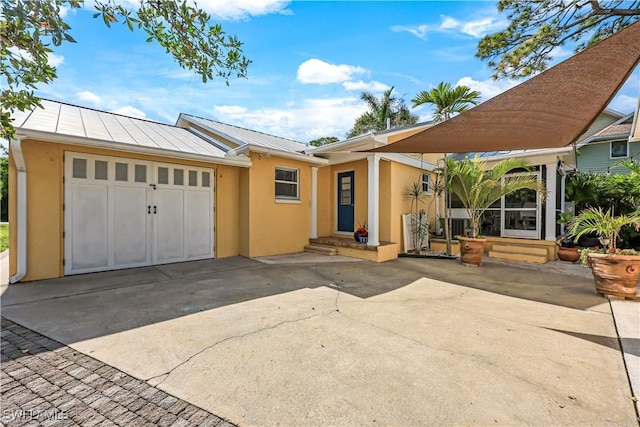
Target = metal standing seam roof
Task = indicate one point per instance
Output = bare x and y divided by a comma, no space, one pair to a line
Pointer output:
69,120
244,136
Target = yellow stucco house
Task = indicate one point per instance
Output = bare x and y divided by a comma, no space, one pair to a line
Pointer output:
96,191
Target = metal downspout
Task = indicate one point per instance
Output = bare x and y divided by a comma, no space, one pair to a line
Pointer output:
16,150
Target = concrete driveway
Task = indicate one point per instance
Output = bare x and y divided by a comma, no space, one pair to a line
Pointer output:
408,342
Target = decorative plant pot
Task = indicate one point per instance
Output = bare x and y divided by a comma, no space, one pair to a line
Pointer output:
471,250
615,274
356,236
364,239
568,254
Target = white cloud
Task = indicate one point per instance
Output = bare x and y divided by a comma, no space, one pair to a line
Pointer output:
487,88
243,9
313,118
317,71
55,60
89,97
229,110
372,86
559,53
624,103
476,28
130,111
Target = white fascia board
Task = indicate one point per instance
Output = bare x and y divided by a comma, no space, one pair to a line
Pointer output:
285,154
230,160
339,158
344,145
604,138
409,161
543,152
204,125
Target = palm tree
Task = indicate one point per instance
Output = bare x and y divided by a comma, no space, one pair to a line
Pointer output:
381,109
478,188
447,100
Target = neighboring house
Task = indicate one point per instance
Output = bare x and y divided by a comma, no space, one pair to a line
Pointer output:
603,151
96,191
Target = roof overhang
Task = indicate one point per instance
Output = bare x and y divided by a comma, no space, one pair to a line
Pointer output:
357,143
552,109
128,148
279,153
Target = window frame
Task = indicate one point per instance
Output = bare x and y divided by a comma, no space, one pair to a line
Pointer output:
611,156
428,182
283,198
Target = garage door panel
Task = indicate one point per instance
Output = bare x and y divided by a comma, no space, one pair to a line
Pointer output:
130,225
199,225
90,243
123,212
170,225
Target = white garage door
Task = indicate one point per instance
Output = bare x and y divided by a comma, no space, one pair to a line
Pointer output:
122,213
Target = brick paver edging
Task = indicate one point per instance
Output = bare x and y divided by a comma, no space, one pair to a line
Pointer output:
45,383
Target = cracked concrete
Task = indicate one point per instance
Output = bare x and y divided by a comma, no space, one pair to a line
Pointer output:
349,344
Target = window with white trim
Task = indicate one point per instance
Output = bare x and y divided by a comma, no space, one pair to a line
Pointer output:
426,183
287,183
619,149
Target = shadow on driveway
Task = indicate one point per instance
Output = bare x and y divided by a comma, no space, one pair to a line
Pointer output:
99,304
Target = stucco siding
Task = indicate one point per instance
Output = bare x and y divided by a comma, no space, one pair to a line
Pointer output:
402,176
276,227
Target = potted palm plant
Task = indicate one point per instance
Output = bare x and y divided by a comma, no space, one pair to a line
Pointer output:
478,188
615,271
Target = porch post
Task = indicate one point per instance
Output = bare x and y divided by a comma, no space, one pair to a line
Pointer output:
373,198
550,211
563,184
313,230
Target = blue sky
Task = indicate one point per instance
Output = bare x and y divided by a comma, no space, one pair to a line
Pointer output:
310,59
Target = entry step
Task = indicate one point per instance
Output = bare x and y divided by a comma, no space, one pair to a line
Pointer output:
519,256
318,249
521,249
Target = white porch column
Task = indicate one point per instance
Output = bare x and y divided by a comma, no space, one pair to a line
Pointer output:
313,230
563,189
550,212
374,199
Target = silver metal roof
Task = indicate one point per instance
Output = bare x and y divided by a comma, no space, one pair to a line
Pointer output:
242,136
69,120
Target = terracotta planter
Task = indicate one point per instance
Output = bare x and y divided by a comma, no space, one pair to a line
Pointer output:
568,254
471,250
615,274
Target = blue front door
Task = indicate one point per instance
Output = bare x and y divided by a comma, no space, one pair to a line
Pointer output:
345,201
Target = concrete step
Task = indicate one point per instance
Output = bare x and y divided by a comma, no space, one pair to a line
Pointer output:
518,256
521,249
319,249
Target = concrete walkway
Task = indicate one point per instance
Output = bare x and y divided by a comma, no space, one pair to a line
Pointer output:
408,342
